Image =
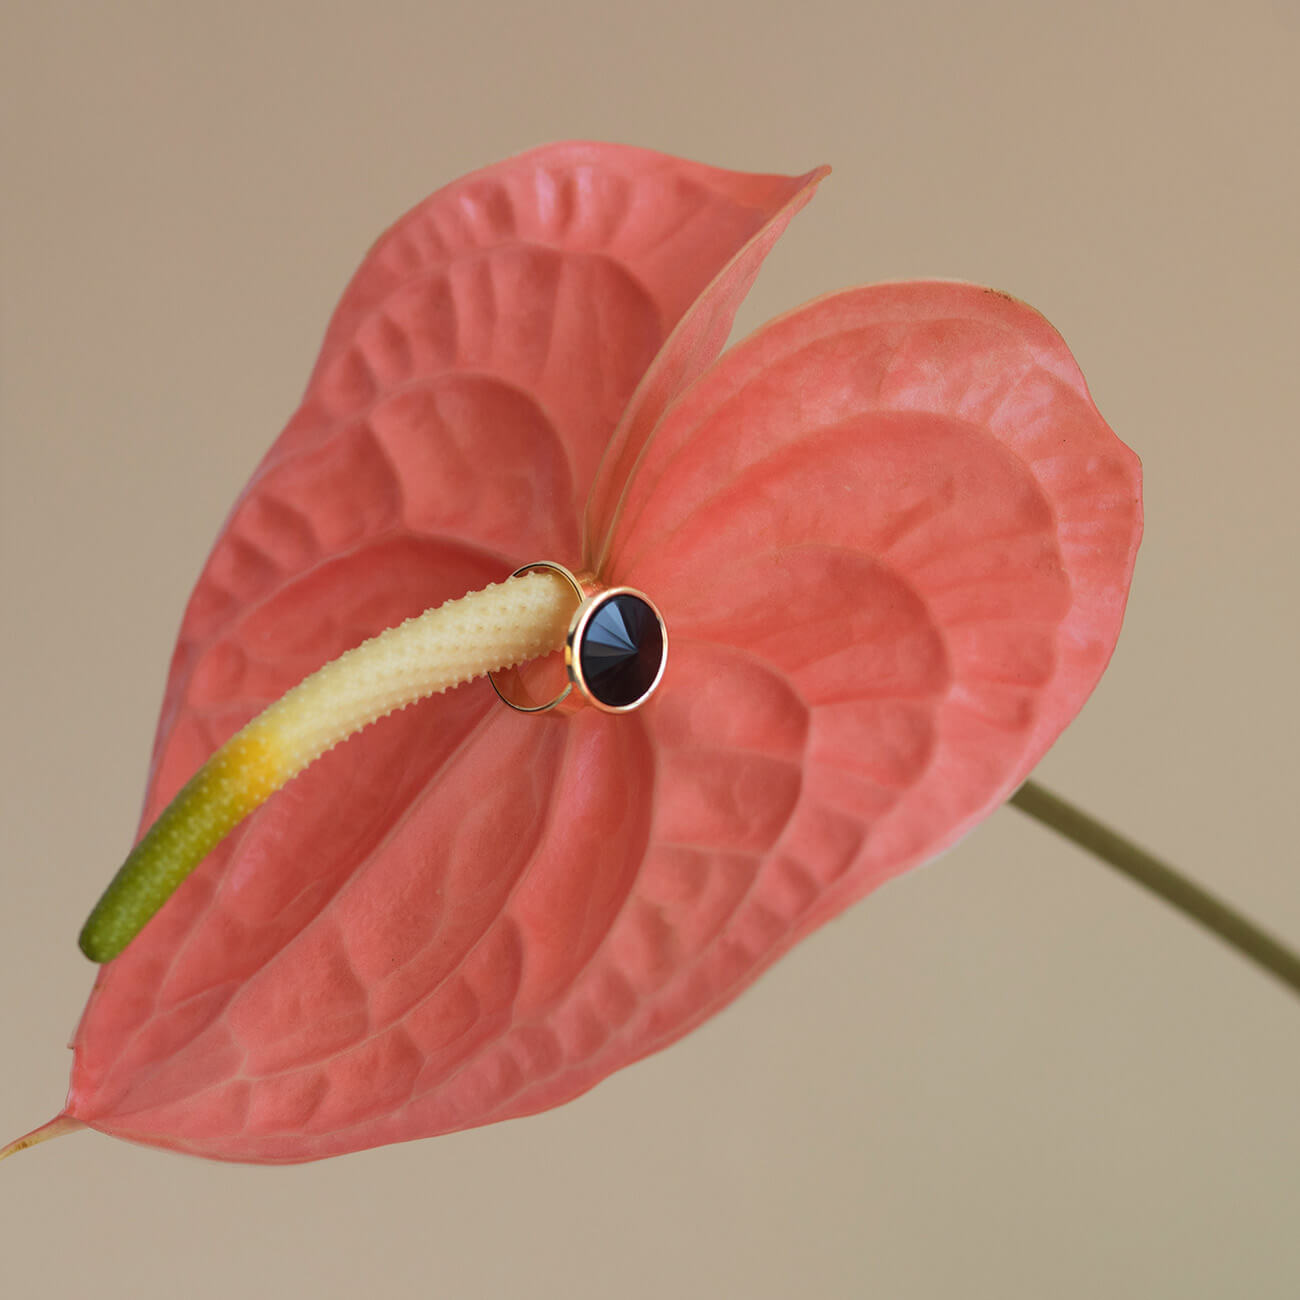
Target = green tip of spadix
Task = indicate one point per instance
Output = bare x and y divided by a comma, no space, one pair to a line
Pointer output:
95,946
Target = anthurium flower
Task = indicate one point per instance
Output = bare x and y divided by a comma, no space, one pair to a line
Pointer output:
891,539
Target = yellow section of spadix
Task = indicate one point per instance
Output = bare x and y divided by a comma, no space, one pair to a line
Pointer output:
498,627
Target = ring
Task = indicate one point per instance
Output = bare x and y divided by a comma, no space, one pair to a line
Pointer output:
615,650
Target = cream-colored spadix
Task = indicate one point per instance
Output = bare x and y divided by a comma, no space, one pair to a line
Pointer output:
502,625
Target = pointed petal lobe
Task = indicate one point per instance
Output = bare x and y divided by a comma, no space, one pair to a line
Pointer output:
469,383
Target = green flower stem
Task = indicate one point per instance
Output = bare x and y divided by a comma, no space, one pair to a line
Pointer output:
1160,878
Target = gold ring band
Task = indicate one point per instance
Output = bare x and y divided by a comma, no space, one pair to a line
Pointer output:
615,651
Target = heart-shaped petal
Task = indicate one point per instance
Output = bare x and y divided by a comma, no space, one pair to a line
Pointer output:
891,537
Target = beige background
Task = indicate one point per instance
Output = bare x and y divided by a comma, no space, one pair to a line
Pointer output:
1009,1075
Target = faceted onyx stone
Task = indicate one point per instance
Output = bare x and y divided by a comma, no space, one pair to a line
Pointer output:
620,650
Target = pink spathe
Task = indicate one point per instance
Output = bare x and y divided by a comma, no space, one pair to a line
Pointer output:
891,539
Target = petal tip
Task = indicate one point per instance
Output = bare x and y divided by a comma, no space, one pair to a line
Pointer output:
56,1127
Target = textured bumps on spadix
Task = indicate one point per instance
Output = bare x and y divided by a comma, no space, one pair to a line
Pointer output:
501,625
891,539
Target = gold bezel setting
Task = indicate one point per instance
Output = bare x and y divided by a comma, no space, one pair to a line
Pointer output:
573,647
592,599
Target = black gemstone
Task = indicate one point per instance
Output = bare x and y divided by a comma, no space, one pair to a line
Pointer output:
621,650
